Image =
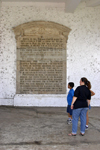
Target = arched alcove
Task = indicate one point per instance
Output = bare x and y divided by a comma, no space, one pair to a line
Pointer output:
41,57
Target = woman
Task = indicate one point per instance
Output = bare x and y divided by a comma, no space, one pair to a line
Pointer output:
87,117
80,103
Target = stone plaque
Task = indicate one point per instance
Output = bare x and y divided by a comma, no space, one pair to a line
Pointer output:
41,59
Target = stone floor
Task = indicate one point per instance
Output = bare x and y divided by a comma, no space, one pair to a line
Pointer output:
36,128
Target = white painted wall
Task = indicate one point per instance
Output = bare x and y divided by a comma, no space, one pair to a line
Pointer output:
83,51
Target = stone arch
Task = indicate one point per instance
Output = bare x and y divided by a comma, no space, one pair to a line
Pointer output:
41,57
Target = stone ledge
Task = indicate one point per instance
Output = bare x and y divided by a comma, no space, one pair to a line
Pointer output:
40,100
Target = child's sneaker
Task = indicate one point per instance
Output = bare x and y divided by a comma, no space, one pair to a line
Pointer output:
69,122
86,127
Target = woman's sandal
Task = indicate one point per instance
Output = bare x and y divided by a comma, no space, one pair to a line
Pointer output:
82,134
71,134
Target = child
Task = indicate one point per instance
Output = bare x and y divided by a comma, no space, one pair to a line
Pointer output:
87,118
69,100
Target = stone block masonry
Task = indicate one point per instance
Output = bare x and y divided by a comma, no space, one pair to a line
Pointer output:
41,60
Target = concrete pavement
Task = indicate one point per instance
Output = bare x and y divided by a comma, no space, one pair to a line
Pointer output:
33,128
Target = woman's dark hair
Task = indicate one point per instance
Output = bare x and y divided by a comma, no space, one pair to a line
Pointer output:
71,84
86,82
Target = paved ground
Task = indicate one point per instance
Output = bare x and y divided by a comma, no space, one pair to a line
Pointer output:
45,129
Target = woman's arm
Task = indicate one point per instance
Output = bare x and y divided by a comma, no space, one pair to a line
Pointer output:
92,93
73,101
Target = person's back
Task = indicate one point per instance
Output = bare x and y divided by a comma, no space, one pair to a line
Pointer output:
69,101
70,96
82,93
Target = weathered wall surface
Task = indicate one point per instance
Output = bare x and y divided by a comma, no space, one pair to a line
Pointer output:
82,54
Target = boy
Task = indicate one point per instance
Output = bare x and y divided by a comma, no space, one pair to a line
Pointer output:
69,100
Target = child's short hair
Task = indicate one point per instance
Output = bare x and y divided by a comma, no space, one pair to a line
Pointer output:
71,84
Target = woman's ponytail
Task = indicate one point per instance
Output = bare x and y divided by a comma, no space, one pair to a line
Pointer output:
87,83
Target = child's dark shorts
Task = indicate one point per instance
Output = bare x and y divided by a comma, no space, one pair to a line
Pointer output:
89,107
69,110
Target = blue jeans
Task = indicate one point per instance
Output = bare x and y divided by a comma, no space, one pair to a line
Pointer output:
80,112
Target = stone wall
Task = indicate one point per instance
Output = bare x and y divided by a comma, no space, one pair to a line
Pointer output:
82,51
